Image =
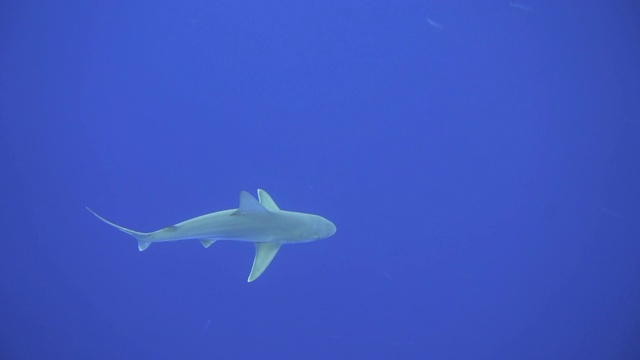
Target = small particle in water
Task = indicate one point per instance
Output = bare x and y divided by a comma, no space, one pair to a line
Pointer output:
522,7
436,25
611,212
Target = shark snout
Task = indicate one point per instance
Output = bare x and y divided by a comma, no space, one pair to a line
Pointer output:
332,228
324,228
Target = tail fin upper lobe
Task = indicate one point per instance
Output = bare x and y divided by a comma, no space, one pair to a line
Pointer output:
143,243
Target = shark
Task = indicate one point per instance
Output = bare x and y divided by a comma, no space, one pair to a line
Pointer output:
259,221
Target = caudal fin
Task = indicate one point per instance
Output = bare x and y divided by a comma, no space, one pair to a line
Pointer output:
143,243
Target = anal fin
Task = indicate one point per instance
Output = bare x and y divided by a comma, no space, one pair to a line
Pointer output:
143,245
207,242
265,252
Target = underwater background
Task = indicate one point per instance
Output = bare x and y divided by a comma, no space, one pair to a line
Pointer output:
480,159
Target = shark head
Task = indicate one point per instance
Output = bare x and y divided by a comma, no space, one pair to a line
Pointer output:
321,228
300,227
303,227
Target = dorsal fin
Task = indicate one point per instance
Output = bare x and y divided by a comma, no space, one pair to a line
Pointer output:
170,228
267,201
249,204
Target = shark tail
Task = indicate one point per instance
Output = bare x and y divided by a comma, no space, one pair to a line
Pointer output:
143,238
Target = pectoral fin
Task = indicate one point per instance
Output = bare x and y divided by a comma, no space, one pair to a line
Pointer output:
267,201
265,252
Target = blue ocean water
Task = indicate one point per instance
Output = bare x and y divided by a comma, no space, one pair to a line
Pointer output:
479,158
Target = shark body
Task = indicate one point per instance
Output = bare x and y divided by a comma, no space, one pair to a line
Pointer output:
258,221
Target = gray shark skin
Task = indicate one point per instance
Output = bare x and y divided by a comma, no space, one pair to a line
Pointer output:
258,221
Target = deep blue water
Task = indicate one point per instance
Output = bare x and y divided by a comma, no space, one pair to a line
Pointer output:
481,162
